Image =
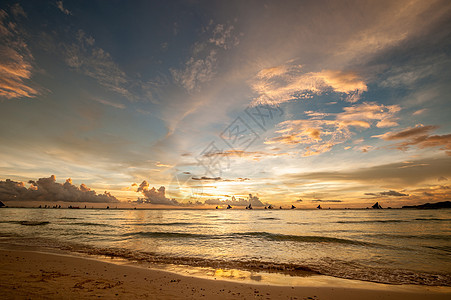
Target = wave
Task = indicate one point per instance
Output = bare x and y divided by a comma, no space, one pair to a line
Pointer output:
304,238
158,234
416,236
371,221
33,223
166,224
269,218
89,224
441,248
26,223
432,219
247,235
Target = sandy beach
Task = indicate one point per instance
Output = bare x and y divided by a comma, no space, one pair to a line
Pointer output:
37,275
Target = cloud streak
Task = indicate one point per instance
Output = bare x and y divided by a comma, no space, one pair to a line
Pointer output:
419,136
397,174
390,193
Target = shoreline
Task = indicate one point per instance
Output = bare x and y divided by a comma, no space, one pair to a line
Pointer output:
46,275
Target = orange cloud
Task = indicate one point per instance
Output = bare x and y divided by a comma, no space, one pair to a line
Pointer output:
283,83
344,82
15,61
371,111
321,135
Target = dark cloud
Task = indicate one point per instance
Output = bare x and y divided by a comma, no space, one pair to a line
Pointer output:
204,178
408,133
326,201
47,189
389,193
420,137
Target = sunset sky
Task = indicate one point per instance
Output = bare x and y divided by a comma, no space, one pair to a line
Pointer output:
338,103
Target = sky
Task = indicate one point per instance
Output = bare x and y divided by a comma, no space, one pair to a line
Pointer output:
205,103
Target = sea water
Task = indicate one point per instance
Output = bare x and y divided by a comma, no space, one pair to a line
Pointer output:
396,246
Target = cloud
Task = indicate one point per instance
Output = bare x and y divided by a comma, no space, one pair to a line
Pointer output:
223,37
321,135
253,200
154,196
434,193
389,193
364,148
109,103
196,72
394,173
371,111
47,189
327,201
316,115
60,6
407,133
382,32
254,155
200,68
18,11
419,136
86,58
15,58
410,74
419,112
284,83
204,178
348,83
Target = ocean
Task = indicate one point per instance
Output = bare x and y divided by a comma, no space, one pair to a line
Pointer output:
396,246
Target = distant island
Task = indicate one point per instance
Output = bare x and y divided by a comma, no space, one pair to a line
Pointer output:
444,204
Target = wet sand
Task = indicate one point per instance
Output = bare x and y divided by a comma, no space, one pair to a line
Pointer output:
36,275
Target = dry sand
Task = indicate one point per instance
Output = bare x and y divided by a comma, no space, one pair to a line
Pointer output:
36,275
